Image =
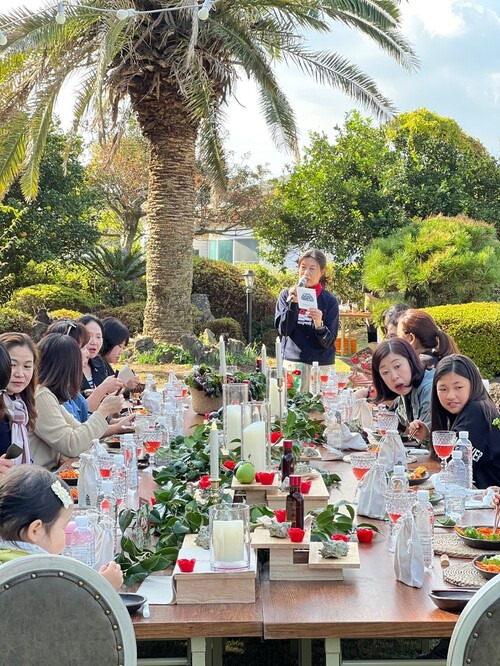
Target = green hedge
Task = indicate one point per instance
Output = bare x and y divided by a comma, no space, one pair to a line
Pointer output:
64,313
132,315
475,327
50,296
226,326
12,320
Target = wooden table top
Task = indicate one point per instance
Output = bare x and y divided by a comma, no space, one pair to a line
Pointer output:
358,314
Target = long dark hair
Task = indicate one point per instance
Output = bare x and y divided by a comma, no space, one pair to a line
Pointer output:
60,365
115,333
25,496
5,372
463,366
318,256
11,340
428,334
401,348
75,330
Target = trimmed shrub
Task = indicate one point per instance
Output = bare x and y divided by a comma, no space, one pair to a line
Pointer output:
475,327
12,320
50,296
62,313
132,315
226,326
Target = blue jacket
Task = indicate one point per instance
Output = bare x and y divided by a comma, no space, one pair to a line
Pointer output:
78,408
301,341
417,404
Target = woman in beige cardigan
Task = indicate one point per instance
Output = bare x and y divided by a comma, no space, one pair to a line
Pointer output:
57,433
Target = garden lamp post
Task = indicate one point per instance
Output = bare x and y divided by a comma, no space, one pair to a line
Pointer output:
249,277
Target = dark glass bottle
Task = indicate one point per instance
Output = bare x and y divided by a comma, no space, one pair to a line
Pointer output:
295,503
287,459
259,365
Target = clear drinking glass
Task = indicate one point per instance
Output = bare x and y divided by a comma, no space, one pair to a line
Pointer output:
387,421
152,442
276,393
443,442
361,462
229,537
256,446
398,503
234,412
342,378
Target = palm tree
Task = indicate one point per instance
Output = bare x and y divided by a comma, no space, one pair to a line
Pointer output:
178,73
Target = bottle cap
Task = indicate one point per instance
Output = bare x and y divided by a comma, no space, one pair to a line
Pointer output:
456,455
70,527
423,495
295,479
128,436
287,444
107,486
399,470
315,364
119,459
463,434
81,521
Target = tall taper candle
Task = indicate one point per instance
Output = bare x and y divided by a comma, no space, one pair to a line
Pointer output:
214,451
279,360
263,355
222,355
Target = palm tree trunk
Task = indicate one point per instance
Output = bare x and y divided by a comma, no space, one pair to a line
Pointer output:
171,206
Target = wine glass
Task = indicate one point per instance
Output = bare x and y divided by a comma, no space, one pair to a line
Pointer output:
342,378
443,442
152,442
387,421
398,503
361,462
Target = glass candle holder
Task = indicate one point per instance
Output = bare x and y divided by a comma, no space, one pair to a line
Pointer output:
234,413
229,537
276,394
255,446
387,421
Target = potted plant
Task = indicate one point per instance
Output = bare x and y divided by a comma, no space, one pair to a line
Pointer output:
206,389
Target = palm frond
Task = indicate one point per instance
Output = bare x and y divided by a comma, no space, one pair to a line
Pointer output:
13,140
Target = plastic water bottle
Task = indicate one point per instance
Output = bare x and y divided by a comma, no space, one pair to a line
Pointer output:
332,385
149,384
168,411
68,531
424,520
464,444
82,542
455,484
333,430
119,479
345,406
129,449
399,481
161,423
107,500
315,381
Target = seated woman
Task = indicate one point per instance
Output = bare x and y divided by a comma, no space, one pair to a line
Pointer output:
390,319
116,337
5,367
460,402
398,373
421,331
19,399
56,431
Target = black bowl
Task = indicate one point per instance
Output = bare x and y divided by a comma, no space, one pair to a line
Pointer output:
418,482
112,442
453,599
485,574
435,498
70,482
481,544
132,601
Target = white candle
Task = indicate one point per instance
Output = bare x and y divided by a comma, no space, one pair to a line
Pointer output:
254,445
222,355
274,399
233,426
228,541
263,355
279,360
214,451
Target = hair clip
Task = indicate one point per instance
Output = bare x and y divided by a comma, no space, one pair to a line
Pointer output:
62,494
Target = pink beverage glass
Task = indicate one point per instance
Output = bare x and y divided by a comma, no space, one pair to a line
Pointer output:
443,442
152,442
342,378
398,503
361,462
387,421
105,465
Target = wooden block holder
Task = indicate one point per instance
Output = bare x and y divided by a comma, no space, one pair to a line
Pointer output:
316,498
232,587
302,561
255,493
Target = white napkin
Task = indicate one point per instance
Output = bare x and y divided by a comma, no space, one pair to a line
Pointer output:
352,440
158,590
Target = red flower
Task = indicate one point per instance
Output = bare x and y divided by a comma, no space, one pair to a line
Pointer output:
296,372
365,534
340,537
296,534
305,487
280,515
354,359
229,464
205,482
186,566
153,501
266,478
275,436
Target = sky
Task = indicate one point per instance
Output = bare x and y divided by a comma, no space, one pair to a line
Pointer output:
457,42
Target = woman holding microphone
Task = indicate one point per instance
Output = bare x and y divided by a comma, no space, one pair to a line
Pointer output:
308,335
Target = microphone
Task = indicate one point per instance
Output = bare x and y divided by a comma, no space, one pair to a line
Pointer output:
300,283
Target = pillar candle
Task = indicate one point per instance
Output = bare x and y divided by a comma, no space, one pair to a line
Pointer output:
228,540
222,355
214,451
279,360
263,356
254,445
274,399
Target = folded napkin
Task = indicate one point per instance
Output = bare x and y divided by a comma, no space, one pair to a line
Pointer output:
352,440
158,590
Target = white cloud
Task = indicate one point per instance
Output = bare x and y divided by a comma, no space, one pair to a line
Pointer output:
440,18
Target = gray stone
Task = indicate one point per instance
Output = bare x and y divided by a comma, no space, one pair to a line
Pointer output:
209,337
40,324
201,302
144,344
194,346
235,347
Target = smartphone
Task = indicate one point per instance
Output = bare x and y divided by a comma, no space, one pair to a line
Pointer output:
14,451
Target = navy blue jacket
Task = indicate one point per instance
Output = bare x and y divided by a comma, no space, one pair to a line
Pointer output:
301,341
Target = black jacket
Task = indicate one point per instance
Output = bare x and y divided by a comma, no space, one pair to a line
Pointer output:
100,370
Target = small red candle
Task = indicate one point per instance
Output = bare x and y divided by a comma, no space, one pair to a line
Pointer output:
280,515
340,537
186,566
275,436
229,464
205,482
266,478
296,534
365,534
305,487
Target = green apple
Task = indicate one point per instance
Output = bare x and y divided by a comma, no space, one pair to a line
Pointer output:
245,472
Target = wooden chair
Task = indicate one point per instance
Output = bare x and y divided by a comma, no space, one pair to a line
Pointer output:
476,637
56,611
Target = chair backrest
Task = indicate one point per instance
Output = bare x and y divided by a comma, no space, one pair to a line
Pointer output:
476,638
55,610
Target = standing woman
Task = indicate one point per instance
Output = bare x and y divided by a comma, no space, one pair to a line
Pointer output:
308,335
5,368
421,331
19,399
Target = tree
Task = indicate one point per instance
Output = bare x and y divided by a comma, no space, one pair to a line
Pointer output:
336,199
441,169
178,72
60,224
436,261
119,173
